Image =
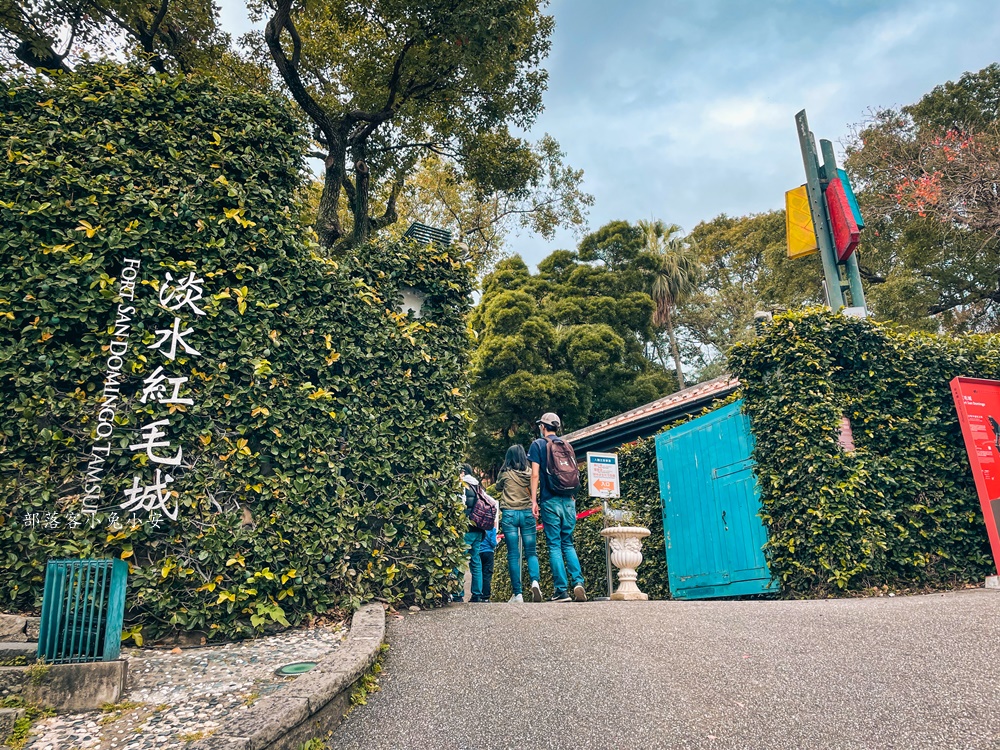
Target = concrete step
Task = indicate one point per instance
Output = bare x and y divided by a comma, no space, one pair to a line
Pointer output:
18,654
8,718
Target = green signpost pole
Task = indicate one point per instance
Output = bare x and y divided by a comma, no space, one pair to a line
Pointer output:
851,264
817,206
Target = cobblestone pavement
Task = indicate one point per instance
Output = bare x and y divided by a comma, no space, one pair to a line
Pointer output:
176,698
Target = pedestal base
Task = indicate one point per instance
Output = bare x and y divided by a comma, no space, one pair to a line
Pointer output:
629,596
993,582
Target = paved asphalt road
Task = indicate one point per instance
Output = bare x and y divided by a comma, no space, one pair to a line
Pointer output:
903,672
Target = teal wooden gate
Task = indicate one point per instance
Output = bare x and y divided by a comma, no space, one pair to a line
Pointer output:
711,501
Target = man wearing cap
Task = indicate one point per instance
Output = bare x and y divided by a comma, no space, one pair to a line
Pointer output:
557,513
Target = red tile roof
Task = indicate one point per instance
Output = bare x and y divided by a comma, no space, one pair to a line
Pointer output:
663,406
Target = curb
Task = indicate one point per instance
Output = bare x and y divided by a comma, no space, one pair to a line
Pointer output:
314,703
67,688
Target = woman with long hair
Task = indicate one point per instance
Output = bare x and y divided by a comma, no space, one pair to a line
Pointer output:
517,522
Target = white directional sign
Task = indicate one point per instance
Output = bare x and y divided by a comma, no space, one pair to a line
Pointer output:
602,475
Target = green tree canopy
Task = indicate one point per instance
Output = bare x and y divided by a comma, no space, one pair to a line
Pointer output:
385,83
615,244
744,266
171,35
411,107
928,180
573,338
436,193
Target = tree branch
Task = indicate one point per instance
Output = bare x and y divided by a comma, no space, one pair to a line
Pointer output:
993,296
154,28
40,55
397,69
349,189
389,216
289,71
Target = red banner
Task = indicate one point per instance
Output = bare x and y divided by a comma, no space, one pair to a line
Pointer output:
978,404
579,516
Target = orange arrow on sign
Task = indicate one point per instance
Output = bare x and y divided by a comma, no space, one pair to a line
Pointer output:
604,484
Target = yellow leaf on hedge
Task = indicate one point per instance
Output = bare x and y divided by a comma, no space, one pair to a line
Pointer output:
86,226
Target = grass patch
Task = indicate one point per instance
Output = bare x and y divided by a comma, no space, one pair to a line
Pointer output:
250,698
316,743
22,727
193,736
368,683
114,711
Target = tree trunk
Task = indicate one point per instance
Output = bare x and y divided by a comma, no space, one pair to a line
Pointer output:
676,353
658,348
328,227
362,221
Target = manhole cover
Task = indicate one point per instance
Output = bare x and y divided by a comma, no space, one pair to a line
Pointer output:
296,668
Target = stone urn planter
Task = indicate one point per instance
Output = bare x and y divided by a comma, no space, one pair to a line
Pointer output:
626,554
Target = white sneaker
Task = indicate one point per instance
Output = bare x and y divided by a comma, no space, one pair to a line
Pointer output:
536,592
516,599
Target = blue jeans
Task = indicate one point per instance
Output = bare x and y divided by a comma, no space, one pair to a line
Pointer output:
472,541
558,517
518,527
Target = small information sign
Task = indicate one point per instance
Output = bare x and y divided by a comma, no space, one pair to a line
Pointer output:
602,475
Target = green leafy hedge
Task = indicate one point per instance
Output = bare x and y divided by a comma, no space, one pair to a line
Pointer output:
901,509
320,454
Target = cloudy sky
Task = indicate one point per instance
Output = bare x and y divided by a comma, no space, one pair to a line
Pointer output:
683,110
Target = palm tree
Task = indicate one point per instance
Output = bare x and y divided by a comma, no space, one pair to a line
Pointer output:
674,275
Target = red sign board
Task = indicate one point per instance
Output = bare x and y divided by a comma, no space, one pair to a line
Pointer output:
978,404
845,229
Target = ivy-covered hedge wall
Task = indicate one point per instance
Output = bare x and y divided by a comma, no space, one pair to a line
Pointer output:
901,509
320,447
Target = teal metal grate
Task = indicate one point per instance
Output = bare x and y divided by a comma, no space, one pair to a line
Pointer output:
83,606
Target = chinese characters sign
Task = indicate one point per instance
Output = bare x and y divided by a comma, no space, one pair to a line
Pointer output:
978,405
166,387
